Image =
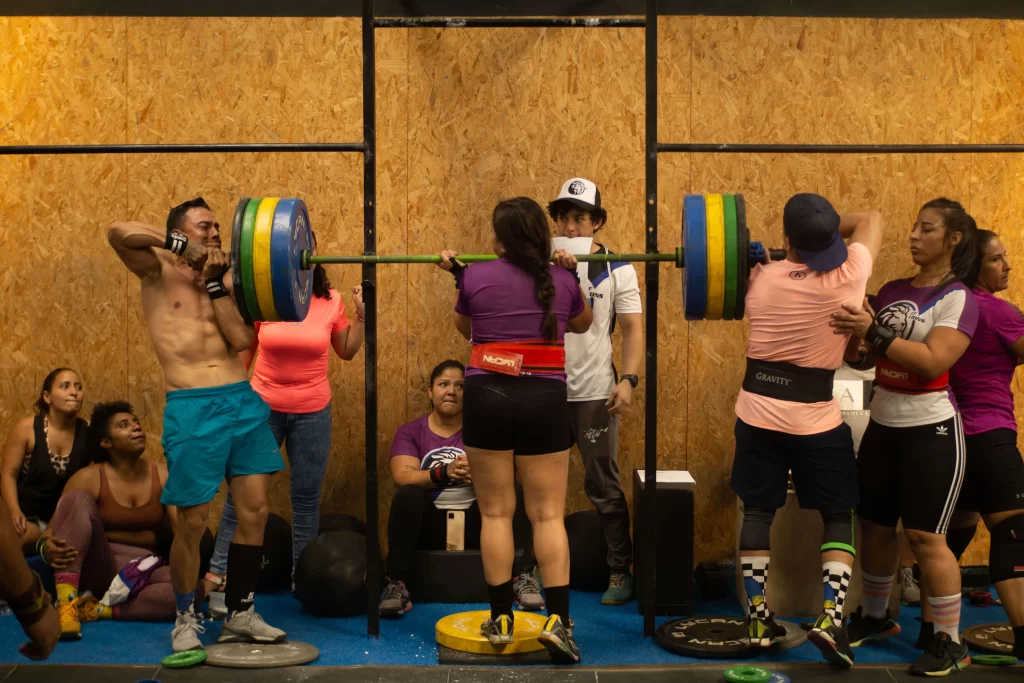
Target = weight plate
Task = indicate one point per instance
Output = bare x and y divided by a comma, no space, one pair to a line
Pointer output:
261,258
729,302
716,255
747,674
256,656
795,636
994,660
182,660
245,254
779,678
994,638
742,257
290,236
236,260
707,637
462,632
695,275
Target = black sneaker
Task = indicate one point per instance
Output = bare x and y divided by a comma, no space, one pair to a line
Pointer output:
925,635
498,631
395,600
830,637
942,657
862,629
559,641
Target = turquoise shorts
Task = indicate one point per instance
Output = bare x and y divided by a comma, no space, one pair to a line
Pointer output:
212,434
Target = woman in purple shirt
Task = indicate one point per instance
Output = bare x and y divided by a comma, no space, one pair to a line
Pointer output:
910,466
516,310
994,478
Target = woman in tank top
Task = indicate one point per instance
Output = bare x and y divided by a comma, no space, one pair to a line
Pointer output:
109,523
42,452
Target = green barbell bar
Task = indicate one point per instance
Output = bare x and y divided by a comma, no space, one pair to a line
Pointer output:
276,285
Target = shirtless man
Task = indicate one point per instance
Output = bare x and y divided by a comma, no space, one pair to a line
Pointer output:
215,425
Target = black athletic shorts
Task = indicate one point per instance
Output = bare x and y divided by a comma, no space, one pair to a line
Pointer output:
526,415
911,472
823,465
994,481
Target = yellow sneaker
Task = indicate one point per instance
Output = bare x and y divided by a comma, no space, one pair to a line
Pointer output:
70,625
91,609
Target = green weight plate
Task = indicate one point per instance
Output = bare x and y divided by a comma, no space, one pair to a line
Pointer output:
245,255
994,660
183,660
742,257
729,309
747,674
236,260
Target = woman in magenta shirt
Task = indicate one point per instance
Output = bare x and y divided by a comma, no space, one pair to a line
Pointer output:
516,311
994,479
291,376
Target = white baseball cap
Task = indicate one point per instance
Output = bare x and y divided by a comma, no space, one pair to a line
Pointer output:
581,192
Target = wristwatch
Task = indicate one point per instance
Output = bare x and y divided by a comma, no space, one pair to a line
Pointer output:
632,379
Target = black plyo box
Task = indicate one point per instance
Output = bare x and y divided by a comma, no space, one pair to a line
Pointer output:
673,542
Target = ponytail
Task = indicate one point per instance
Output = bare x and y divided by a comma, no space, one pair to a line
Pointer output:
522,228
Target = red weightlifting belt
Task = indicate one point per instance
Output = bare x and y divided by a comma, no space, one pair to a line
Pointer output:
894,377
525,357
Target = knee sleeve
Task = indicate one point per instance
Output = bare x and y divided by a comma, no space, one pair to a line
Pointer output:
838,532
1006,552
756,533
959,539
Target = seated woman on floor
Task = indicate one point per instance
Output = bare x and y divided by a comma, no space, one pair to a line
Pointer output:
41,453
430,469
104,535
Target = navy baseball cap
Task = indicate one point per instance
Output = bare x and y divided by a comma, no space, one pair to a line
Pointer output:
812,226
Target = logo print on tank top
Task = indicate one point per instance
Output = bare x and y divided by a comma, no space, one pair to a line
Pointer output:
900,317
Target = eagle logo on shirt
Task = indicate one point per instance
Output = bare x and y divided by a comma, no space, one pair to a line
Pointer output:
899,317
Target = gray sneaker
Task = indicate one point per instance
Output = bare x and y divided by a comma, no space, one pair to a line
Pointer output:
526,589
218,609
910,589
185,635
395,600
249,627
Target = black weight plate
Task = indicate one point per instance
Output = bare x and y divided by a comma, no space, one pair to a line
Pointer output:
742,256
994,638
706,637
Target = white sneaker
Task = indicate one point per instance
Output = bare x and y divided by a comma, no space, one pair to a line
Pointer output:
249,627
185,635
910,590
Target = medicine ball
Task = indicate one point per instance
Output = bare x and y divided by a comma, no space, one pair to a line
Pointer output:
341,522
330,577
588,552
276,574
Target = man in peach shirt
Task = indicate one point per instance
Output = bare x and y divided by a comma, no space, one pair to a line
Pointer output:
786,417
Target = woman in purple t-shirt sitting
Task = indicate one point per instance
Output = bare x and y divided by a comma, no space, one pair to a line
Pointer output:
994,478
516,310
424,498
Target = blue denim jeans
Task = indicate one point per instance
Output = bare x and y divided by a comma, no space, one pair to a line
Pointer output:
307,440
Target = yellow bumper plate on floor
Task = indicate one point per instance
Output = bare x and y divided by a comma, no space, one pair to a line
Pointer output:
462,632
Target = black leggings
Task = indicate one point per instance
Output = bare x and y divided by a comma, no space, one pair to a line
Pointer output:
415,524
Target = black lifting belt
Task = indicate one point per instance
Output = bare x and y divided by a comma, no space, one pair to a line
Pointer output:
788,382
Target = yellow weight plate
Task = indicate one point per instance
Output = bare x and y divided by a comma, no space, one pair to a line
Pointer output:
716,256
261,258
461,632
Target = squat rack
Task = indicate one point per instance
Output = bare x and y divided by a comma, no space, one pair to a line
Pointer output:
368,147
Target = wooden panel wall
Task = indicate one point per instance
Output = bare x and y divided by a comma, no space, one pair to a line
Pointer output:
467,117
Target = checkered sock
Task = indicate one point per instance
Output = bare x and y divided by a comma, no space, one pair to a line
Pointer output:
755,575
836,579
876,594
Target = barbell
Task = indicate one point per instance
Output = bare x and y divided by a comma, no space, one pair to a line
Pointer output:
271,258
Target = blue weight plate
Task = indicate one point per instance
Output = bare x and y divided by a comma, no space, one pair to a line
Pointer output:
236,260
695,256
290,235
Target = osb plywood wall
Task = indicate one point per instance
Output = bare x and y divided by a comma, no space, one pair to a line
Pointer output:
467,117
